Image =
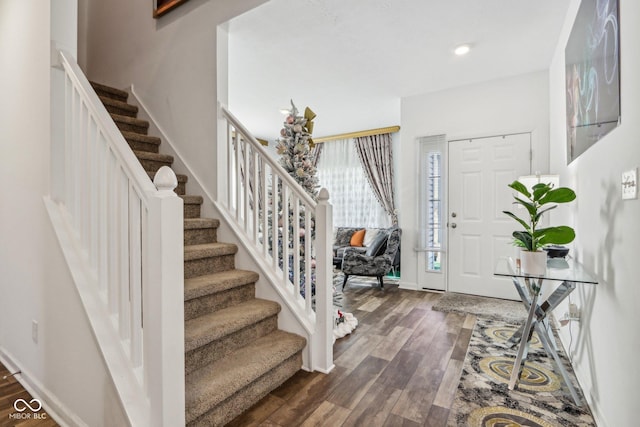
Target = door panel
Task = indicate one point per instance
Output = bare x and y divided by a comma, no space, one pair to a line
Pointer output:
479,233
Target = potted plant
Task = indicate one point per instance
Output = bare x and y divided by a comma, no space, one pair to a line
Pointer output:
543,198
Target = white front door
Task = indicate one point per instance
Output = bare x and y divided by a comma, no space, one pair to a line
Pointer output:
479,233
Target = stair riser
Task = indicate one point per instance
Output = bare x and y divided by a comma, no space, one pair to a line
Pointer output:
121,111
249,395
200,267
129,127
191,211
153,165
218,301
199,236
143,146
218,349
181,188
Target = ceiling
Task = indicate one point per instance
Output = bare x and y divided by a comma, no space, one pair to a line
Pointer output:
352,61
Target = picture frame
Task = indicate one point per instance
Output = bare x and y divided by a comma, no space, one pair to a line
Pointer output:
161,7
592,75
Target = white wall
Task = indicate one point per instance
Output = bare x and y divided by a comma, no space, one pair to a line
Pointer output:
170,60
606,342
64,366
516,104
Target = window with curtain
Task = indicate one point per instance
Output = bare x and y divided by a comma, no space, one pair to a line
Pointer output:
354,204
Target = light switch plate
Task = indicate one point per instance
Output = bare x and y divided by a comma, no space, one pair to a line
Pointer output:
630,184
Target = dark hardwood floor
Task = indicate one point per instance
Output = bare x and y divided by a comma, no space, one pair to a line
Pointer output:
10,391
400,367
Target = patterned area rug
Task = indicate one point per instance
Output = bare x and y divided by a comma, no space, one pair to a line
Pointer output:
488,308
540,400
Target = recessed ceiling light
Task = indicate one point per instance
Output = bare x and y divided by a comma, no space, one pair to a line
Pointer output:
463,49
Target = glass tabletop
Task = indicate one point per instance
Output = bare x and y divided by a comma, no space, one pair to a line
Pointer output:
562,269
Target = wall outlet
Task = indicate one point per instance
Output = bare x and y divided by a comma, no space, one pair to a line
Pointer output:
574,312
573,315
630,184
34,331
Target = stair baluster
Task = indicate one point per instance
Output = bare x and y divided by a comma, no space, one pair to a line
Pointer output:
260,200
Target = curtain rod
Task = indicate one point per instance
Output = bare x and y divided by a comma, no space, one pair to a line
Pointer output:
379,131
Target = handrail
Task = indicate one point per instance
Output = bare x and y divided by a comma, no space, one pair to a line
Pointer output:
260,148
284,229
127,232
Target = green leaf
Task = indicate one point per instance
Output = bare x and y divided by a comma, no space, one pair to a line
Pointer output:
523,239
530,206
520,188
524,224
558,195
556,235
540,190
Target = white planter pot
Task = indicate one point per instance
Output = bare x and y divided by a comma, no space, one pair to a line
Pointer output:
533,263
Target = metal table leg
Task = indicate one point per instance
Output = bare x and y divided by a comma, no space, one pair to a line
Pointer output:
546,341
526,332
537,319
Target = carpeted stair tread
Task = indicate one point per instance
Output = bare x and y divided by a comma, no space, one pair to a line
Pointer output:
130,120
209,250
119,107
213,326
156,157
190,199
212,384
200,286
147,139
196,223
181,178
110,92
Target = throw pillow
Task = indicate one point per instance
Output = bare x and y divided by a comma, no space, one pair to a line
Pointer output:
376,247
357,238
343,236
369,236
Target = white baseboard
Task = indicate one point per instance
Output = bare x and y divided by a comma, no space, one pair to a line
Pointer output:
51,404
411,286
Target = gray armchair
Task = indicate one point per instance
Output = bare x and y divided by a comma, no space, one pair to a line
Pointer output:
377,261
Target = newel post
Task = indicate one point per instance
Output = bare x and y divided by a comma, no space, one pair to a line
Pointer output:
323,348
164,303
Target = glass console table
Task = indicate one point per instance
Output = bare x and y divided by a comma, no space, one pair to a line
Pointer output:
566,273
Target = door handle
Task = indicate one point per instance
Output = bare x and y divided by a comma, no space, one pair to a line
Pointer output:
454,225
453,214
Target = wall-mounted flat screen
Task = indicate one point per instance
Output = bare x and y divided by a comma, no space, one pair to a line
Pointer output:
592,60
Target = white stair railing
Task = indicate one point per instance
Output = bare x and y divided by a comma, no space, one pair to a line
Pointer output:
127,233
285,229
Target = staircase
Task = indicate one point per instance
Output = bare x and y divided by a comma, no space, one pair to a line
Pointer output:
234,352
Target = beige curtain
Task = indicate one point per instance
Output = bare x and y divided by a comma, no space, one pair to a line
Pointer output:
377,161
315,152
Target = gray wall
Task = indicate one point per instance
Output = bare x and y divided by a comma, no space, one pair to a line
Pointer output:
606,342
64,367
